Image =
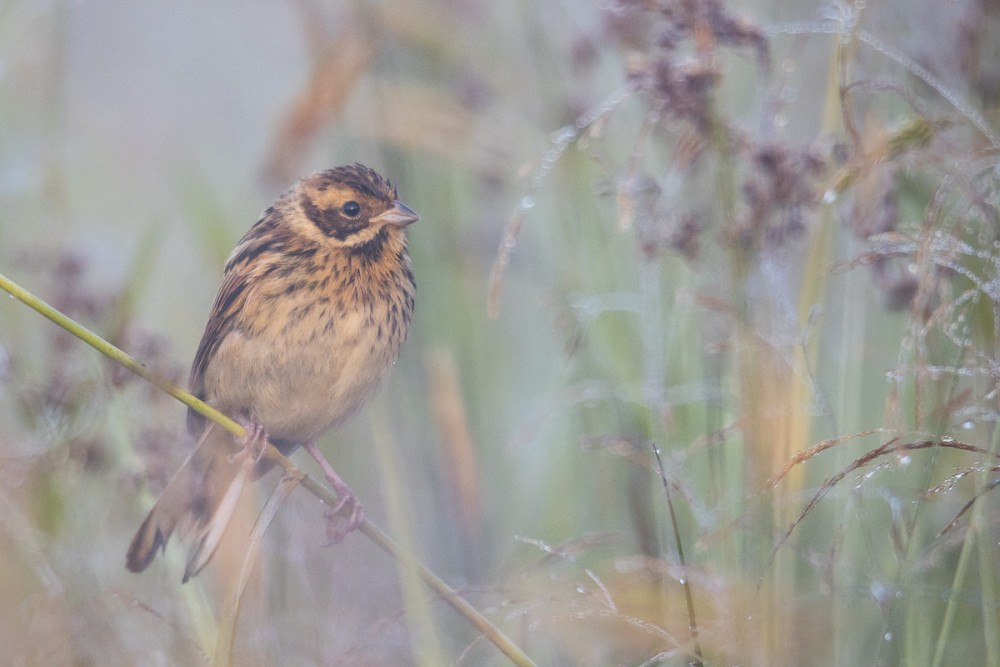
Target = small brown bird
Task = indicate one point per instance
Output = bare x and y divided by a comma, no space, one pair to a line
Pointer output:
314,306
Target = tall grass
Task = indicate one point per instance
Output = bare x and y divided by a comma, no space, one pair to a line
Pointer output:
693,279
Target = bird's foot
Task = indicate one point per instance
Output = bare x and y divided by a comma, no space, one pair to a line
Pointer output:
348,514
253,444
346,517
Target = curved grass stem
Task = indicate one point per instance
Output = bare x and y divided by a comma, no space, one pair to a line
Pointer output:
370,530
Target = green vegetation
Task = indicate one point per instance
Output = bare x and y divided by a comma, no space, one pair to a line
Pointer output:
704,364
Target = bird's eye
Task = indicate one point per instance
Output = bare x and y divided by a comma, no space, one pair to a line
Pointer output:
351,209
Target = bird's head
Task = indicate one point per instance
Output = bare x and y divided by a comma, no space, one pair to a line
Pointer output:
351,205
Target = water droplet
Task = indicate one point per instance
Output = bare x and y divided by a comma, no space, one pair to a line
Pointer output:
968,425
888,636
564,135
527,202
992,289
829,196
879,591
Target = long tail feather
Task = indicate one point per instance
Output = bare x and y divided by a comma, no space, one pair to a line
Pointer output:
198,503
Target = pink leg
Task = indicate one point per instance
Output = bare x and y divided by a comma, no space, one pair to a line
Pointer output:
339,526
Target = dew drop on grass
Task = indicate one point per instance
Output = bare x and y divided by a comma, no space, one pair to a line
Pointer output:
563,135
992,289
880,592
829,196
527,202
968,425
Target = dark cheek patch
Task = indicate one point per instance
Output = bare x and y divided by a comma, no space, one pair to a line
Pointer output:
330,222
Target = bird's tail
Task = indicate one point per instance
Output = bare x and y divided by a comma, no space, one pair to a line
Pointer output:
198,503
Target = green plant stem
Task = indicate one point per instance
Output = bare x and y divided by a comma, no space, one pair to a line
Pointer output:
327,496
984,554
987,557
696,656
961,571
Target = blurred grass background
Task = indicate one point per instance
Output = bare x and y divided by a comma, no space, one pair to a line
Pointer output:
692,277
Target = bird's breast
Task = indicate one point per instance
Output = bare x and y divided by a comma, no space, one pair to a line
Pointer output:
307,362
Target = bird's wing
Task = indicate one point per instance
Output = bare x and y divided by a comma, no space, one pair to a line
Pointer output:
232,297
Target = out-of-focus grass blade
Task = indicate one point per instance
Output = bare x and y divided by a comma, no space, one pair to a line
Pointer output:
231,612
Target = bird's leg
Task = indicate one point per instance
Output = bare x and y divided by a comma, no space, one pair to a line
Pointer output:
348,514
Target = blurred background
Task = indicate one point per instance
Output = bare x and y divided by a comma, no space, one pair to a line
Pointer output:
704,363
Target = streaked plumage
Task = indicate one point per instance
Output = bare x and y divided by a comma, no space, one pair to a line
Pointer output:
315,303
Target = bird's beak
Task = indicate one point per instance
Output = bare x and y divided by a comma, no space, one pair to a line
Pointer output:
399,215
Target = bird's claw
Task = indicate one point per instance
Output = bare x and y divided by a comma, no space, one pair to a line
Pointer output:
252,444
345,518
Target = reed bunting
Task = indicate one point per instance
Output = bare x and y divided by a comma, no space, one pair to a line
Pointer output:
314,306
